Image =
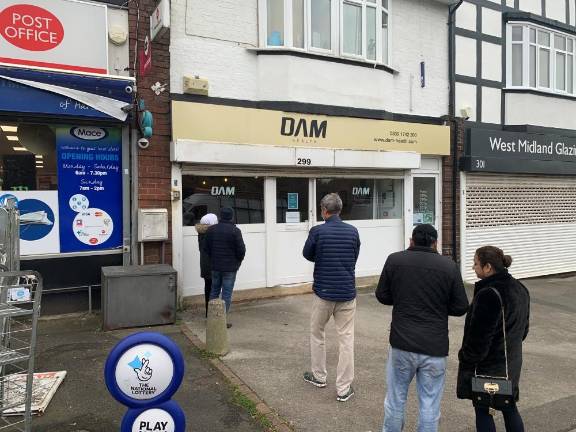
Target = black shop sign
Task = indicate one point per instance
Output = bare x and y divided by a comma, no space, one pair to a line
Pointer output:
519,152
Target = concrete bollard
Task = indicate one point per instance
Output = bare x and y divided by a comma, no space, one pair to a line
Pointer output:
216,332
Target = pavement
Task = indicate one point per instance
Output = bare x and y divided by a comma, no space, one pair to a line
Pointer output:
83,404
270,351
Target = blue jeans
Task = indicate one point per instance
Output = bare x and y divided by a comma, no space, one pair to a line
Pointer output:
223,281
430,375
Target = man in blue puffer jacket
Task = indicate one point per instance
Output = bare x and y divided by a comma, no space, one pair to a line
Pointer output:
334,248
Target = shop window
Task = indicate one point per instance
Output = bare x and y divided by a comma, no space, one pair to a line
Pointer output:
364,199
204,194
27,157
291,200
67,183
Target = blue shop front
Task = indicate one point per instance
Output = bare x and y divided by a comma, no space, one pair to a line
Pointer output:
64,148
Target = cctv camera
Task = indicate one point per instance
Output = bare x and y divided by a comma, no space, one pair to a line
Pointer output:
143,143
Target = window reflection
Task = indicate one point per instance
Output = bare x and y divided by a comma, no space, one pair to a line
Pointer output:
202,195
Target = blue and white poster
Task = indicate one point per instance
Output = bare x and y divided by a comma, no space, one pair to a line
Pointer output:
89,188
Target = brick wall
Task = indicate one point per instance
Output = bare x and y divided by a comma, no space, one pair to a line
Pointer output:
154,169
457,130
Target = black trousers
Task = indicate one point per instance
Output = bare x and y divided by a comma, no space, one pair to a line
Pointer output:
207,289
512,420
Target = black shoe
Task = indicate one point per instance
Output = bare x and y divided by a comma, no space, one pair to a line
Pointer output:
228,325
346,396
310,378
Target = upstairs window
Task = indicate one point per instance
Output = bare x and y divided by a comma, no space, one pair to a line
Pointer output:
346,28
540,59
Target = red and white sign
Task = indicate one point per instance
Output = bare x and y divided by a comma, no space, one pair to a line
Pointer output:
145,59
55,34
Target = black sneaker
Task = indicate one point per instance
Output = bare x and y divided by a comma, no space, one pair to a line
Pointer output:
310,378
346,396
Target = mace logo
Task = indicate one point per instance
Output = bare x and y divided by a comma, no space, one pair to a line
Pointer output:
303,128
89,133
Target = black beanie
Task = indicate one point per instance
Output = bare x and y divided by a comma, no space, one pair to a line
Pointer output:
226,214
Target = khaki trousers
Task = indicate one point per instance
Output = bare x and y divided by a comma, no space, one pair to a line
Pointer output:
343,313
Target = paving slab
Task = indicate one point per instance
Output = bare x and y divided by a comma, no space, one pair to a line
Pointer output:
269,344
83,404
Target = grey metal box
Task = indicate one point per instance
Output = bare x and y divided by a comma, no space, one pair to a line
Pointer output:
135,296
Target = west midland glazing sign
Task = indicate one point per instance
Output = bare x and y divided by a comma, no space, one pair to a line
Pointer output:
54,34
225,124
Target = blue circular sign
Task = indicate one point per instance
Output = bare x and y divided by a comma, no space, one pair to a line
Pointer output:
36,219
144,370
166,417
4,199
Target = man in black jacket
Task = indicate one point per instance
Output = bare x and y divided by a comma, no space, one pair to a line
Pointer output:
424,288
225,247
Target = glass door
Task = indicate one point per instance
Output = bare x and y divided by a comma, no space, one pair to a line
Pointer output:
425,200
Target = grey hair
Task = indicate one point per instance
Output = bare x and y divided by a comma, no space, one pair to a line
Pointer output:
332,203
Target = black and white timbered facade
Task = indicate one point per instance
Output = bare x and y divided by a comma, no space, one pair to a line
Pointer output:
514,81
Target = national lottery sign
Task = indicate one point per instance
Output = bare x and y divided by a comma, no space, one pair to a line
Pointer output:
143,372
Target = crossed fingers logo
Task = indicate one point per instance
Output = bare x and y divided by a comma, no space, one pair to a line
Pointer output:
141,368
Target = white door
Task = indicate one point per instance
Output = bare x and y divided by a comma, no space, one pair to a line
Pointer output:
289,220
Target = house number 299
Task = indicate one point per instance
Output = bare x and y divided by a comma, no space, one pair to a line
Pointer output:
304,161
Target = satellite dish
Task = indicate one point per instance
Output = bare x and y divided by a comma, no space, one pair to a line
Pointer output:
38,139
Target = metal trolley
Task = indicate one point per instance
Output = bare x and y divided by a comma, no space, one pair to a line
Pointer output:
20,296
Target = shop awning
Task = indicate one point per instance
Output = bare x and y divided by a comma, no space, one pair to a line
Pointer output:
42,92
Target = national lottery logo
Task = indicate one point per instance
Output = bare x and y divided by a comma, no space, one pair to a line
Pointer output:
144,371
141,367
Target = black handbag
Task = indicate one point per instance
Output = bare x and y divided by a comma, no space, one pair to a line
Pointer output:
495,393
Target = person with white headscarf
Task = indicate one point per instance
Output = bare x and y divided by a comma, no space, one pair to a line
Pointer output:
205,266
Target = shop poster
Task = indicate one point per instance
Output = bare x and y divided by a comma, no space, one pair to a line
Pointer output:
89,188
39,220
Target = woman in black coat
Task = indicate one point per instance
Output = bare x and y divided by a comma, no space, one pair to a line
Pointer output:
205,266
483,343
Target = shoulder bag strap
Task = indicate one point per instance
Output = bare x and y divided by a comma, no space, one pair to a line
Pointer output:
503,331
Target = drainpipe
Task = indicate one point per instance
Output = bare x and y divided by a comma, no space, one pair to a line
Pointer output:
451,113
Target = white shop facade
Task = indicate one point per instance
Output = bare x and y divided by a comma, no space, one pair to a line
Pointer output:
273,167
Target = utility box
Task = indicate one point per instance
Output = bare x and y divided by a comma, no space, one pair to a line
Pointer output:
136,296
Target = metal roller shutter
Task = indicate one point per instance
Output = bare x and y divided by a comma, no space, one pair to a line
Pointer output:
532,218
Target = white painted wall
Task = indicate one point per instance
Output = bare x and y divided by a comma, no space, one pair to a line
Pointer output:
491,102
466,16
540,111
213,40
491,61
556,10
533,6
466,97
491,22
466,56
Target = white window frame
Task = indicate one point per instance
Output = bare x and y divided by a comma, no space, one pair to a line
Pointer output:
336,30
526,44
